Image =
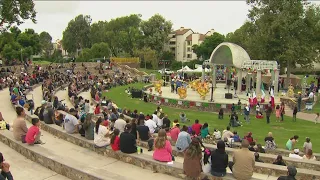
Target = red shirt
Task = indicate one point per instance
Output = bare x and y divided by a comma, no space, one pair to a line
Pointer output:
116,144
196,128
31,134
174,133
97,110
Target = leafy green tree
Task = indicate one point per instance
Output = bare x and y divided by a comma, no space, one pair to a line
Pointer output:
76,35
100,50
85,55
11,51
286,31
30,43
98,32
15,12
156,30
46,43
148,56
205,49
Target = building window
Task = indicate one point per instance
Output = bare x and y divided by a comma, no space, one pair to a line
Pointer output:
172,43
189,43
189,56
188,49
174,36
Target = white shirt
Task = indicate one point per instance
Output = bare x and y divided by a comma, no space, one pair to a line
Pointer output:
155,118
311,95
120,124
217,134
295,156
151,125
257,108
160,122
70,123
100,139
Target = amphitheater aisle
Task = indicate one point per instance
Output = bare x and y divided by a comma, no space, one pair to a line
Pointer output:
20,166
89,161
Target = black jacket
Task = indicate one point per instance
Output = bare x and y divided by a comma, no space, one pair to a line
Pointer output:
128,143
4,176
219,161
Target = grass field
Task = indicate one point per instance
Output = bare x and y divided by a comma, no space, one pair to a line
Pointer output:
281,131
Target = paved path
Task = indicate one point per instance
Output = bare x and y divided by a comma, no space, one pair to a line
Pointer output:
20,166
301,115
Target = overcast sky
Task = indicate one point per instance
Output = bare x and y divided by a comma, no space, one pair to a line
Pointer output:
223,16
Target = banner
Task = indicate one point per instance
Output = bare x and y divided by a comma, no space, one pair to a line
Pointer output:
166,100
192,103
125,60
205,104
198,104
180,102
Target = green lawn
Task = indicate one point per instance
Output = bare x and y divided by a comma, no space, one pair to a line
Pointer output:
281,131
151,71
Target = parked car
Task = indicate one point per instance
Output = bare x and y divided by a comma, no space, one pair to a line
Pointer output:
165,71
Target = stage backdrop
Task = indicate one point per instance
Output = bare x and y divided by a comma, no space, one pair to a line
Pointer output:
133,62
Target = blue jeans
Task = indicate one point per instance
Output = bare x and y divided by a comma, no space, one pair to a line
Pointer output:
247,118
218,174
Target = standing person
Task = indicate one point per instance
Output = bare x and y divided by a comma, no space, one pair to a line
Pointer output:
5,172
247,113
294,114
196,127
299,101
219,160
183,140
316,118
163,150
282,111
307,145
257,109
33,134
277,113
243,162
192,160
268,114
19,125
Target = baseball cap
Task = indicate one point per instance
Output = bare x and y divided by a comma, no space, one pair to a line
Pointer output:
292,170
43,102
296,151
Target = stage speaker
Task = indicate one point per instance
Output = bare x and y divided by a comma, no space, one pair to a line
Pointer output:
228,95
229,82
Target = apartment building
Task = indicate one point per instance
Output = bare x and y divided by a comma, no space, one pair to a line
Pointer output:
181,42
58,46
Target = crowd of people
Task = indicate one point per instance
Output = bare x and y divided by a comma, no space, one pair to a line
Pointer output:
108,125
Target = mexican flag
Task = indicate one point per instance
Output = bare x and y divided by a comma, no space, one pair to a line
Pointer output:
254,99
272,98
263,94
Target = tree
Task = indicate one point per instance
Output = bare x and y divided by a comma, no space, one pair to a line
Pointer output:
46,43
156,31
100,50
76,35
205,49
30,43
15,12
286,31
85,54
12,51
147,55
98,32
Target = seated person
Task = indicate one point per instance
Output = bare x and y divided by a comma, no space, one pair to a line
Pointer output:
71,123
259,115
33,134
236,137
101,134
3,124
234,121
256,157
128,141
14,98
163,150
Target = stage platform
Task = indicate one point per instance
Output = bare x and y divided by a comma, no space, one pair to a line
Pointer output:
193,101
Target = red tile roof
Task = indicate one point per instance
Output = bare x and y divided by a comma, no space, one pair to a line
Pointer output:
201,37
181,32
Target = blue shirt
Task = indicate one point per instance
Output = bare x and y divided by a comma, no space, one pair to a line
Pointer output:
183,141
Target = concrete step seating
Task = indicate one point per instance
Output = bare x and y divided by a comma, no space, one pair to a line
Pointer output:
73,161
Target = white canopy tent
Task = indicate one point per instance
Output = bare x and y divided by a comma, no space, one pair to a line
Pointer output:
185,69
199,69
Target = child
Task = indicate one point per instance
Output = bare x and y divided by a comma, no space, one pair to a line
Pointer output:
33,134
294,115
317,117
221,113
176,121
217,134
3,124
115,140
236,137
278,113
206,163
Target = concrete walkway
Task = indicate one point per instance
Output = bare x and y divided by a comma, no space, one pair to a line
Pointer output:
300,115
